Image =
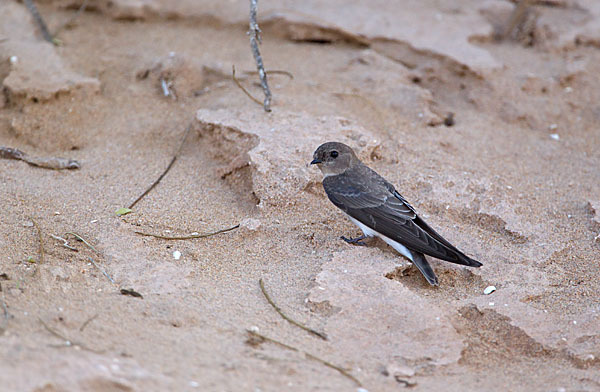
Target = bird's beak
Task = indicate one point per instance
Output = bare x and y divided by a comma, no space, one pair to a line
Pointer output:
315,161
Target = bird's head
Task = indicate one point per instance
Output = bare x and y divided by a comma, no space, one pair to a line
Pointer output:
334,158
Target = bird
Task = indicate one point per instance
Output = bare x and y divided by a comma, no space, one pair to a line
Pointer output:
376,207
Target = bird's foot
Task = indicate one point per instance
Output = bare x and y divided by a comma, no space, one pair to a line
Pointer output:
355,241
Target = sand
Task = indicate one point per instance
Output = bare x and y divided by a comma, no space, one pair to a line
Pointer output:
513,181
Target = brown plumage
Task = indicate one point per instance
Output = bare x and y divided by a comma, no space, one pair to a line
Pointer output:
373,204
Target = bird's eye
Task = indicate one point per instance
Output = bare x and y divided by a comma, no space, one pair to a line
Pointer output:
334,154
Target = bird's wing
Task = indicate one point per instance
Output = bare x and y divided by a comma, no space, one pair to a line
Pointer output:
370,199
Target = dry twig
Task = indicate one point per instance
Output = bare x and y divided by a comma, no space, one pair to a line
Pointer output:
65,243
517,18
287,318
188,237
101,270
86,322
53,163
68,342
72,19
343,372
255,39
38,19
80,238
274,72
164,173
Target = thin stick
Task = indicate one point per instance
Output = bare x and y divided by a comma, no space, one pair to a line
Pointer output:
72,19
41,241
237,82
274,72
38,19
85,324
80,238
65,242
517,17
255,39
68,342
285,317
307,355
101,270
164,173
335,367
188,237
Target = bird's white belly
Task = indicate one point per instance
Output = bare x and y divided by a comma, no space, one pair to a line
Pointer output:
372,233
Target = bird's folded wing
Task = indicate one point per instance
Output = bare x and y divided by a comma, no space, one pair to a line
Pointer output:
376,206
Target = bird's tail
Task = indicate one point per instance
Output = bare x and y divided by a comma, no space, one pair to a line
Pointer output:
423,265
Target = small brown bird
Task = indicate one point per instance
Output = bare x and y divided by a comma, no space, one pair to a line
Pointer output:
374,205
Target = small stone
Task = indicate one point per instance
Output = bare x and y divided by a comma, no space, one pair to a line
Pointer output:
489,290
555,136
176,255
250,224
14,59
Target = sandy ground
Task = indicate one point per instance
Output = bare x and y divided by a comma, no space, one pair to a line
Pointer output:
514,182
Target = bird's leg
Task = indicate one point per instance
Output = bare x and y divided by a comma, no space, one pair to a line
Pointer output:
355,241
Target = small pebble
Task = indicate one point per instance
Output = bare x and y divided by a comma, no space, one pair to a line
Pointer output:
176,255
14,59
254,329
555,136
194,384
489,290
553,127
491,304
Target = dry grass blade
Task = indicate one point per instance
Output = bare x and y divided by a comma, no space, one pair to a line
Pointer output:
85,324
65,243
80,238
287,318
101,270
164,173
237,82
343,372
188,237
68,342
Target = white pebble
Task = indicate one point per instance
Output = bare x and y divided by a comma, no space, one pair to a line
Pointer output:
14,59
362,390
575,322
254,328
250,224
555,136
489,290
491,304
553,127
194,384
176,255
